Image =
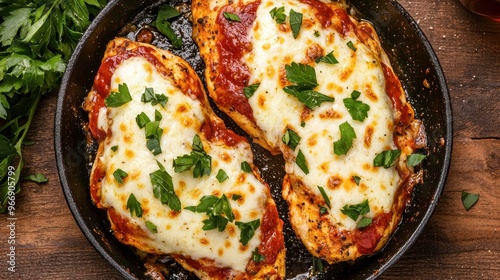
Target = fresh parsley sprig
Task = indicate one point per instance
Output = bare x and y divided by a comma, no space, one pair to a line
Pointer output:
357,109
344,144
163,188
218,210
164,25
198,158
37,39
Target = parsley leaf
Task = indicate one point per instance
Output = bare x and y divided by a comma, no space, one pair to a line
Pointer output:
317,265
329,59
245,166
302,74
163,188
114,148
312,99
120,175
357,109
142,119
250,90
134,206
37,178
231,17
350,44
469,199
364,222
278,14
357,179
214,207
356,210
247,230
221,176
165,13
415,159
291,138
198,158
206,204
153,134
119,98
347,133
235,197
301,162
295,22
386,158
152,227
325,196
150,96
256,256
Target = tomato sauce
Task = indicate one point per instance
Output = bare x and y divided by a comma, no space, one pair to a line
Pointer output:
232,44
366,239
217,131
393,90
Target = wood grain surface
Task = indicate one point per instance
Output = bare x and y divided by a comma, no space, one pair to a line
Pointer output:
455,244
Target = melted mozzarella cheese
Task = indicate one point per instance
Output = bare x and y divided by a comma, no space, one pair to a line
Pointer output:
273,48
178,233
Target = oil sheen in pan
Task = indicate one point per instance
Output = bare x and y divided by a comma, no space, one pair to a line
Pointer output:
299,262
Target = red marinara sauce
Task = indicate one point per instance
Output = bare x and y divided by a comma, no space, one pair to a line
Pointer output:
217,131
393,90
367,239
232,44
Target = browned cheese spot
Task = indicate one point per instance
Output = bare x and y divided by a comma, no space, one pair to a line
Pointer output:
254,214
330,114
262,101
129,154
251,188
313,140
220,252
368,92
204,241
313,52
231,230
325,166
237,214
368,135
173,214
227,244
241,178
334,182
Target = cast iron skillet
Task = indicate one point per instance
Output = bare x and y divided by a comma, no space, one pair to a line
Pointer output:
413,60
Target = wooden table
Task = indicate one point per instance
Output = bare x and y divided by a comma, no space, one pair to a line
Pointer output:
455,244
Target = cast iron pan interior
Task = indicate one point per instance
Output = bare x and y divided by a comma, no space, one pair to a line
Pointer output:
413,60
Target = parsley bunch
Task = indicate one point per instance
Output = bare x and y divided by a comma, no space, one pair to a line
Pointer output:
36,40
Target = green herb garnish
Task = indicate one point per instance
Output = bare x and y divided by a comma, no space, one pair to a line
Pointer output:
256,256
278,14
301,162
325,196
351,46
364,222
356,210
114,148
347,133
153,134
357,109
119,98
142,119
134,206
37,178
317,266
245,166
221,176
214,207
291,138
163,188
235,197
469,199
152,227
415,159
150,96
329,59
386,158
120,175
232,17
250,90
247,230
295,22
162,23
198,158
312,99
357,179
302,74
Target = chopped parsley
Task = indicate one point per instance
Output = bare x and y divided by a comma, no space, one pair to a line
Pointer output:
232,17
118,98
152,227
301,162
247,230
120,175
114,148
357,179
356,210
256,256
198,158
347,133
329,59
295,22
235,197
250,90
278,14
415,159
245,166
364,222
134,206
350,44
214,207
142,119
469,199
221,176
317,265
162,23
386,158
153,134
325,196
357,109
150,96
291,138
163,188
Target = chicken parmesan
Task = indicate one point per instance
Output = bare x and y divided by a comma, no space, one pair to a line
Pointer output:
305,79
174,180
